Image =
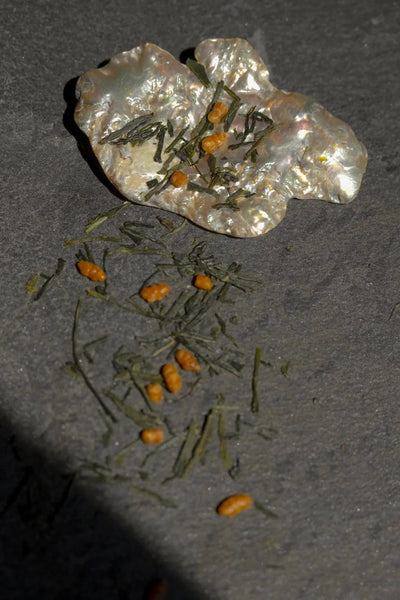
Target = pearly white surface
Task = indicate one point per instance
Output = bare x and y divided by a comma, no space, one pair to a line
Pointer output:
308,153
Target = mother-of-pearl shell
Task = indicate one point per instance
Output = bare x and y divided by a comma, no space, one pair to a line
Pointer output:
307,153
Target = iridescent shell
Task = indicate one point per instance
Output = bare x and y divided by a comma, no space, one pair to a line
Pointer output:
306,152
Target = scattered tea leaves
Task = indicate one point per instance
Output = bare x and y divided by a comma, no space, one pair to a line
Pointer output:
234,471
91,345
154,496
98,238
205,436
49,279
394,309
285,369
160,448
78,366
109,214
70,368
223,447
194,187
256,368
265,511
182,321
231,114
107,435
31,285
160,143
174,229
130,129
198,70
186,452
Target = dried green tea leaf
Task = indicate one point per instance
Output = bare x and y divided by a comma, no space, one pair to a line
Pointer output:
198,70
154,496
285,369
31,285
256,368
187,448
266,511
78,366
109,214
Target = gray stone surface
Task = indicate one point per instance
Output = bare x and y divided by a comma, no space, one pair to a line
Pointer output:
331,470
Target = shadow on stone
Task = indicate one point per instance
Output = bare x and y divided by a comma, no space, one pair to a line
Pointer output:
58,543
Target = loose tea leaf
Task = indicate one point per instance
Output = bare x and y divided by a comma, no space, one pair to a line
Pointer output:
198,70
109,214
154,496
186,452
265,511
31,285
256,368
285,369
223,448
79,367
49,279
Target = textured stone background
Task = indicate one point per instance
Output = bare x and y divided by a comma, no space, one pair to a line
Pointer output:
331,472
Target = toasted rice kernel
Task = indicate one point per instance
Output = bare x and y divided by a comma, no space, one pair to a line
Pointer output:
234,505
155,292
172,378
154,392
91,271
187,360
214,141
178,179
152,435
203,282
217,113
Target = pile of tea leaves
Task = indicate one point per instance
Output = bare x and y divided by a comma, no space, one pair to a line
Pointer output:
201,425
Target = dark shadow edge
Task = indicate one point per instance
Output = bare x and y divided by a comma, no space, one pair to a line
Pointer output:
59,542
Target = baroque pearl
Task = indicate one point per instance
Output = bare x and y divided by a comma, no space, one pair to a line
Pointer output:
279,145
